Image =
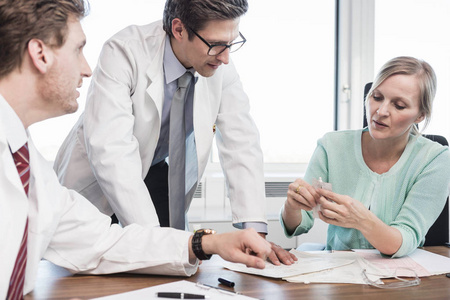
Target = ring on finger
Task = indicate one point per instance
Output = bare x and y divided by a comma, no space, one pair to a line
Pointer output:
297,190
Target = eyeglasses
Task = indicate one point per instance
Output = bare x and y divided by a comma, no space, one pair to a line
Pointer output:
406,272
217,49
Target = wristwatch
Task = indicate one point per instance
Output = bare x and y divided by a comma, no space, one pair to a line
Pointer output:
197,243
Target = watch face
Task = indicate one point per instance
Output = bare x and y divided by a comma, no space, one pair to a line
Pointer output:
206,231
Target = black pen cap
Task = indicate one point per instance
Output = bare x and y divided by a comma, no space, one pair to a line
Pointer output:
226,282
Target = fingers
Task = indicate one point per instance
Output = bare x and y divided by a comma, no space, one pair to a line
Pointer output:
252,252
257,245
302,195
328,215
273,258
248,247
250,261
242,246
331,221
279,254
255,253
335,202
340,210
329,208
330,195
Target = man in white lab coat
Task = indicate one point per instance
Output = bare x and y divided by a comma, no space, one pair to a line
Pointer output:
115,154
42,66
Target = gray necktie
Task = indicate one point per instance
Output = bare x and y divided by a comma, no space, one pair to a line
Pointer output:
177,154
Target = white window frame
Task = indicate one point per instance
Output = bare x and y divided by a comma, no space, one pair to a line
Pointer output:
355,59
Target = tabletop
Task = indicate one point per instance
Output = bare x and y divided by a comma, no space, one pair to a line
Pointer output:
54,282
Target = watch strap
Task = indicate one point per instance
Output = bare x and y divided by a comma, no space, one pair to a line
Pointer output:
197,243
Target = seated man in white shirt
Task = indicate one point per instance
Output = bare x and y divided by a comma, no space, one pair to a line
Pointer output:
42,66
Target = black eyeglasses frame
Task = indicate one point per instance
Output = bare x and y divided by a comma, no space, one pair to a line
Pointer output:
242,42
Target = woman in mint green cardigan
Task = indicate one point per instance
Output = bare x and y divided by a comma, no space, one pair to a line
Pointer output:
389,183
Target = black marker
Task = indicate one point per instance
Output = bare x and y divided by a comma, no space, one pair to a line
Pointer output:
226,282
180,296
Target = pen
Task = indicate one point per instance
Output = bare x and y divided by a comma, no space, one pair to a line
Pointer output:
180,295
226,282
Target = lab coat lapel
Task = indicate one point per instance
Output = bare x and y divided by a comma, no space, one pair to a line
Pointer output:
154,100
155,74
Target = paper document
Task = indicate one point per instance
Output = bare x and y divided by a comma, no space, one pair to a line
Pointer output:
391,266
339,267
307,263
348,267
350,273
423,262
434,263
181,286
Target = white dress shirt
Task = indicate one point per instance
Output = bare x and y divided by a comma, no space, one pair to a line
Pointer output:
68,230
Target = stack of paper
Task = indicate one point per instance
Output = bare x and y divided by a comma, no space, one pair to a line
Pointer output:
348,267
338,267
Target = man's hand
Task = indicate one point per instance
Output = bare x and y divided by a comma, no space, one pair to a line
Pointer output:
242,246
279,254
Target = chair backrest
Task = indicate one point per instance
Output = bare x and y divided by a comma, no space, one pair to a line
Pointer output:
438,233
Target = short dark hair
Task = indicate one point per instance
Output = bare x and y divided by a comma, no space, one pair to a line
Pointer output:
24,20
196,13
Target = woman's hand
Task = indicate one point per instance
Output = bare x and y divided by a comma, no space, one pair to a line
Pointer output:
300,196
344,211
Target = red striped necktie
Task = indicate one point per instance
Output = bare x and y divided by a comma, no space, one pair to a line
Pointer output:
15,291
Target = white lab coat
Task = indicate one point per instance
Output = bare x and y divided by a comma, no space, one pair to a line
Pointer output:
109,151
68,230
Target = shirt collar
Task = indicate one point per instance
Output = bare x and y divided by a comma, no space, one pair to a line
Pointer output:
173,69
16,134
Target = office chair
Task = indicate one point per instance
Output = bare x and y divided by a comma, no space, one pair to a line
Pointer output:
438,233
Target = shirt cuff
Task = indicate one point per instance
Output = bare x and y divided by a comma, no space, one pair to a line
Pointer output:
258,226
189,268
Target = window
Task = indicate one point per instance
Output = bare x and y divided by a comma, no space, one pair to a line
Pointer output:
290,45
287,69
106,17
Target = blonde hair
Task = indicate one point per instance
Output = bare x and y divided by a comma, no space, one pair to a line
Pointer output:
427,82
